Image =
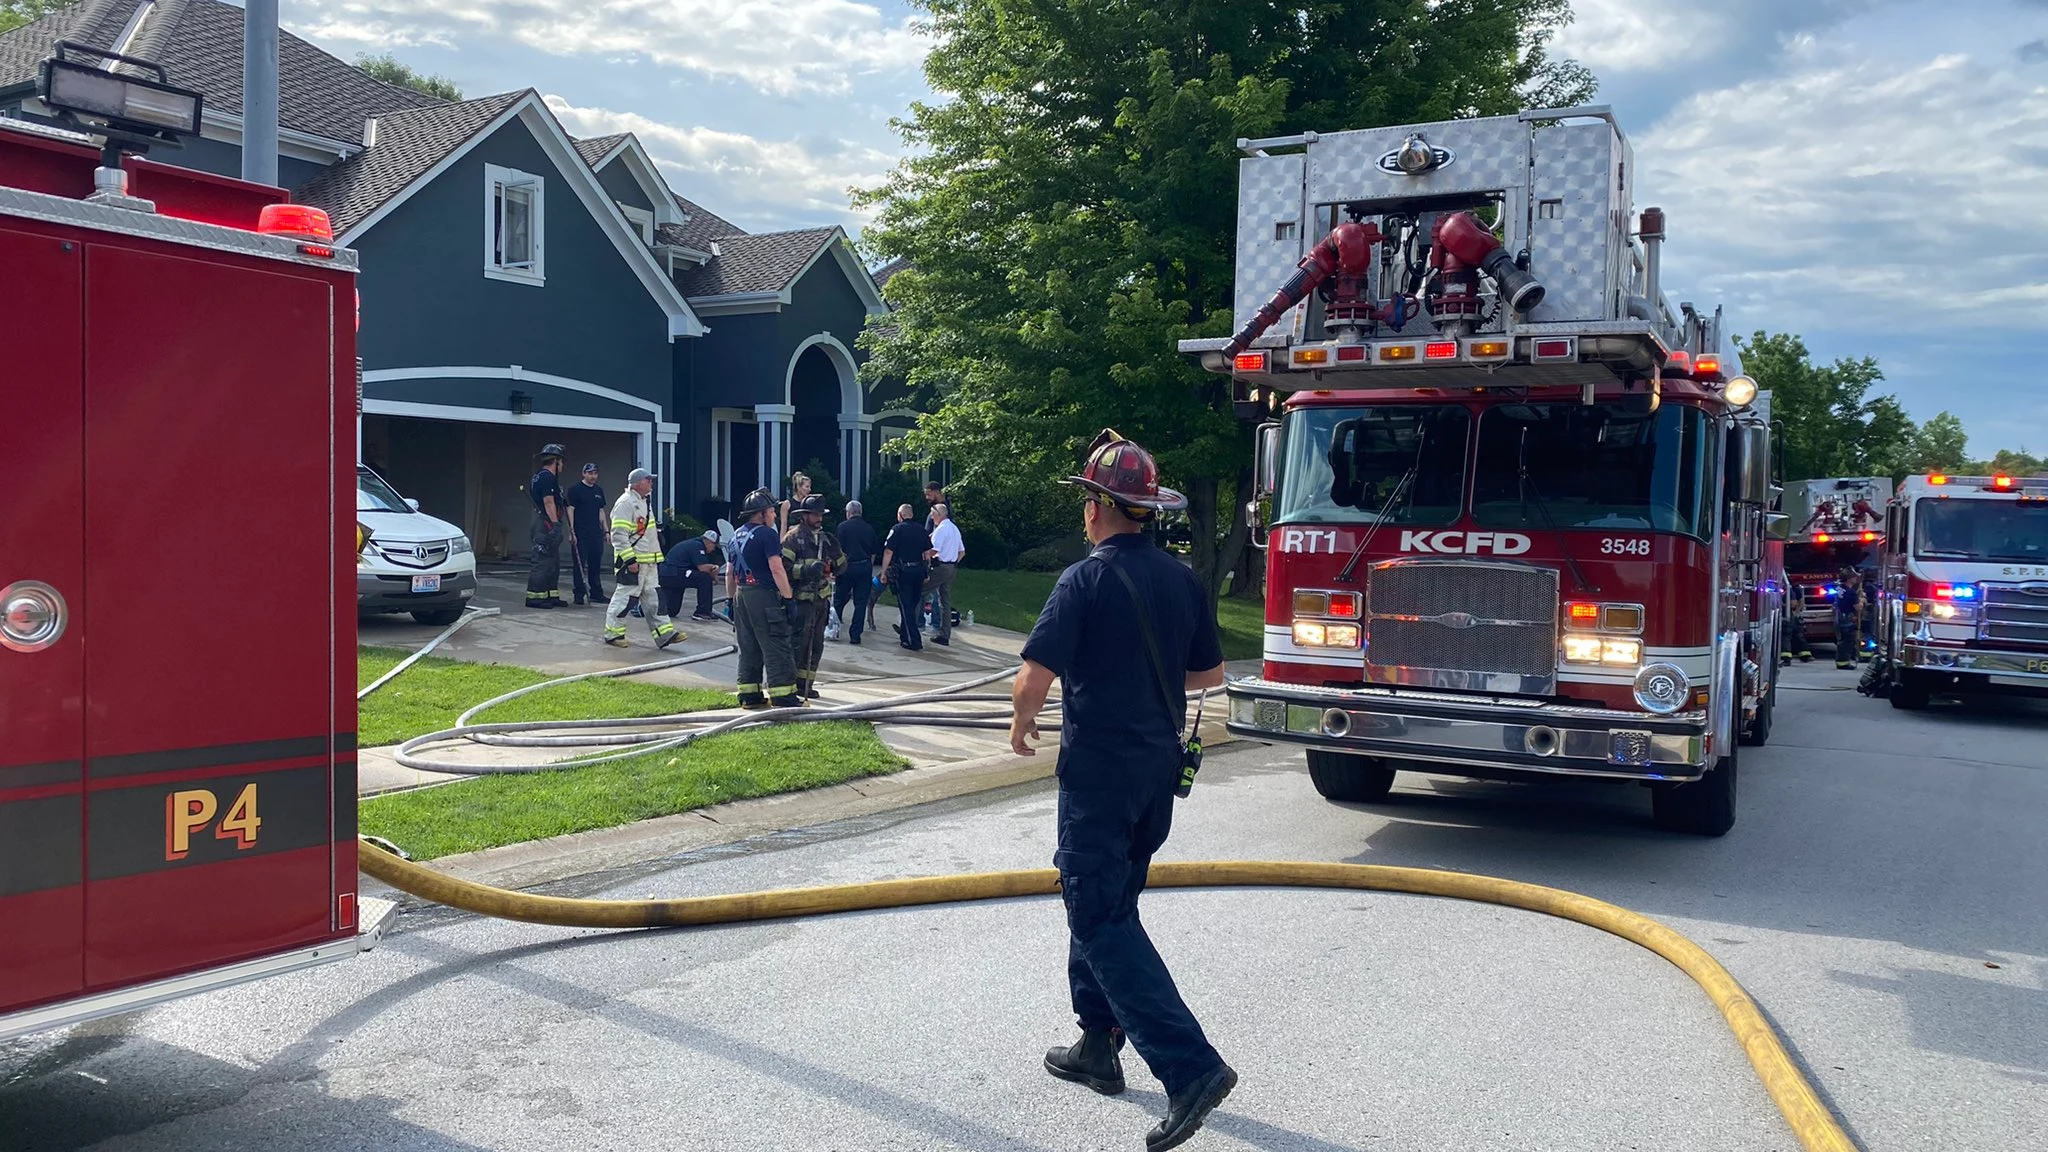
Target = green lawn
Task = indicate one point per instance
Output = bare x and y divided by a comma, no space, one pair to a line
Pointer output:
1012,600
428,696
491,810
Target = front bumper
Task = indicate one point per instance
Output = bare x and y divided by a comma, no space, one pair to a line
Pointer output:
1493,732
1995,668
392,592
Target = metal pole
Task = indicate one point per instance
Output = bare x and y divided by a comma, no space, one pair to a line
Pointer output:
259,91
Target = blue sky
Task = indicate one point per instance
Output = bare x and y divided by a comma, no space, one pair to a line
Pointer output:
1871,174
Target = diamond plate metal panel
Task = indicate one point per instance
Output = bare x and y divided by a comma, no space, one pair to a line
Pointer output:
1578,222
149,225
1492,154
1272,234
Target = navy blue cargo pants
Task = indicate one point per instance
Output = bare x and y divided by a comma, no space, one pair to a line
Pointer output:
1107,836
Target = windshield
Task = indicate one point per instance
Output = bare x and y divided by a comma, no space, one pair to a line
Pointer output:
374,495
1981,530
1593,466
1829,558
1374,448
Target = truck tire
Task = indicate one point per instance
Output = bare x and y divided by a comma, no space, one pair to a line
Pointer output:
1757,732
1349,777
1909,692
1705,807
439,618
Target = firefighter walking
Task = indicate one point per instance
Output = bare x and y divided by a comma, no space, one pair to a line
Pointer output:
812,557
1849,618
1127,631
637,551
544,566
764,608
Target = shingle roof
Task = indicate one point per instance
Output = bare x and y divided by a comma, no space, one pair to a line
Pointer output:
704,226
594,149
883,273
762,262
199,44
408,143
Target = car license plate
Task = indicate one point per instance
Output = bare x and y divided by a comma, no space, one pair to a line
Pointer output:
426,583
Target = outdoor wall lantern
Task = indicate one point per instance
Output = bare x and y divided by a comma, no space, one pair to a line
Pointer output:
522,404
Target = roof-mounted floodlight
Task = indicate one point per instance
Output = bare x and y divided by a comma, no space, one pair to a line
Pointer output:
118,105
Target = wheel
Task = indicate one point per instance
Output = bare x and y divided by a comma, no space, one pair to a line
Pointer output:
1758,732
439,618
1909,692
1705,807
1349,777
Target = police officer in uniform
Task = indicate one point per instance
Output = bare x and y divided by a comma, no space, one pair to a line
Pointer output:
764,608
544,568
1127,632
812,558
636,549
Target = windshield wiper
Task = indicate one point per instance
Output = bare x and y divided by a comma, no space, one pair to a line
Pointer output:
1526,488
1348,573
1955,552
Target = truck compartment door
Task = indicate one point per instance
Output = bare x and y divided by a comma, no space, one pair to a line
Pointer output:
42,676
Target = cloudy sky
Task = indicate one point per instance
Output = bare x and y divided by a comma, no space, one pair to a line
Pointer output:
1872,174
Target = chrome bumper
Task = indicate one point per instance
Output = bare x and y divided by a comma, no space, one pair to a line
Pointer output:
1480,731
2016,668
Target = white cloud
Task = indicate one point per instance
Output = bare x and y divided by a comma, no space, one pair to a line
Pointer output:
1637,35
777,46
748,180
1865,196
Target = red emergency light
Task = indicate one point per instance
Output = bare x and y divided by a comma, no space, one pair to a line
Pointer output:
1351,352
1869,537
1706,367
1441,350
1679,363
1821,538
298,221
1249,362
1937,478
1582,611
2002,483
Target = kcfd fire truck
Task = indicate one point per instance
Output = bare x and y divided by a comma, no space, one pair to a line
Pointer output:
177,791
1836,523
1518,502
1965,603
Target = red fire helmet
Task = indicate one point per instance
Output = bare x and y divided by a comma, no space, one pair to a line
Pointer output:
1119,472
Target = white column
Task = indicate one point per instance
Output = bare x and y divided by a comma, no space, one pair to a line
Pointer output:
775,428
852,469
665,440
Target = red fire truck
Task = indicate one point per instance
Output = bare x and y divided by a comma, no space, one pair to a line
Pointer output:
1518,503
1964,609
1837,522
177,781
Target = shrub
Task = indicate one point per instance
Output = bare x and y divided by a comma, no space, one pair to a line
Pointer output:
985,549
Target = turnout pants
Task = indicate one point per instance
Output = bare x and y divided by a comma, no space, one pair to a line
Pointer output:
940,591
648,590
810,643
544,567
909,591
1848,637
586,556
767,667
853,588
1108,831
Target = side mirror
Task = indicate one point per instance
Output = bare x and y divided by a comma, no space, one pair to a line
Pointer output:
1255,523
1777,526
412,503
1265,460
1752,484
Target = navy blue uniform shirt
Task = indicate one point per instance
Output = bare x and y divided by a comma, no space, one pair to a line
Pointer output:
752,547
682,560
542,486
908,542
593,511
1117,721
858,540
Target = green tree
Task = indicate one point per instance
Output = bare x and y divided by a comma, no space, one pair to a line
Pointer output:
1833,425
388,69
2010,462
1068,208
1940,445
15,13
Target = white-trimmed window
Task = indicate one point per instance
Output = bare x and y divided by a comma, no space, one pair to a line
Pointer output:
642,221
514,225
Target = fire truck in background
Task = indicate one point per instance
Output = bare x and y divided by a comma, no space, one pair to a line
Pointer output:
1518,502
1837,523
177,813
1965,603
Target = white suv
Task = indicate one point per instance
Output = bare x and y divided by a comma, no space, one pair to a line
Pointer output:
413,562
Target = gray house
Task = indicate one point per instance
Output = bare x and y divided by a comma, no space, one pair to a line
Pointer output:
520,286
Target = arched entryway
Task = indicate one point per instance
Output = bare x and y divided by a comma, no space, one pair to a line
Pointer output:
822,409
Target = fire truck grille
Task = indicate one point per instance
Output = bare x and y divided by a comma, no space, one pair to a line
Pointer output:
2016,614
1463,616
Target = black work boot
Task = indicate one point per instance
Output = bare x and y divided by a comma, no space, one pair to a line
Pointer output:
1188,1107
790,701
1091,1060
753,701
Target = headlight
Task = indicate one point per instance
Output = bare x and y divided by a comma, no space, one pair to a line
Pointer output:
1615,650
459,545
1586,648
1662,688
1316,634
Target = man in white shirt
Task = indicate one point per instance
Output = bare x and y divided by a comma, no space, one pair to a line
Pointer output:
950,549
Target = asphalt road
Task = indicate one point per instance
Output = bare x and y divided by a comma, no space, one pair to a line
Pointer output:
1882,897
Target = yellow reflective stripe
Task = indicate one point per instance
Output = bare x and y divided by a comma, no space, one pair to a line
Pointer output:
628,525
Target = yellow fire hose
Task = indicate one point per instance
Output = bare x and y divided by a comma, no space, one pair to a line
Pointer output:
1810,1121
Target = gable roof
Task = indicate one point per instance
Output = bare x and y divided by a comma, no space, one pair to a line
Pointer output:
199,44
703,226
763,262
596,148
408,144
883,273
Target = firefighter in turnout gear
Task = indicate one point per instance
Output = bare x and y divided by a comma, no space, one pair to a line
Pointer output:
812,557
544,565
638,553
1849,604
764,608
